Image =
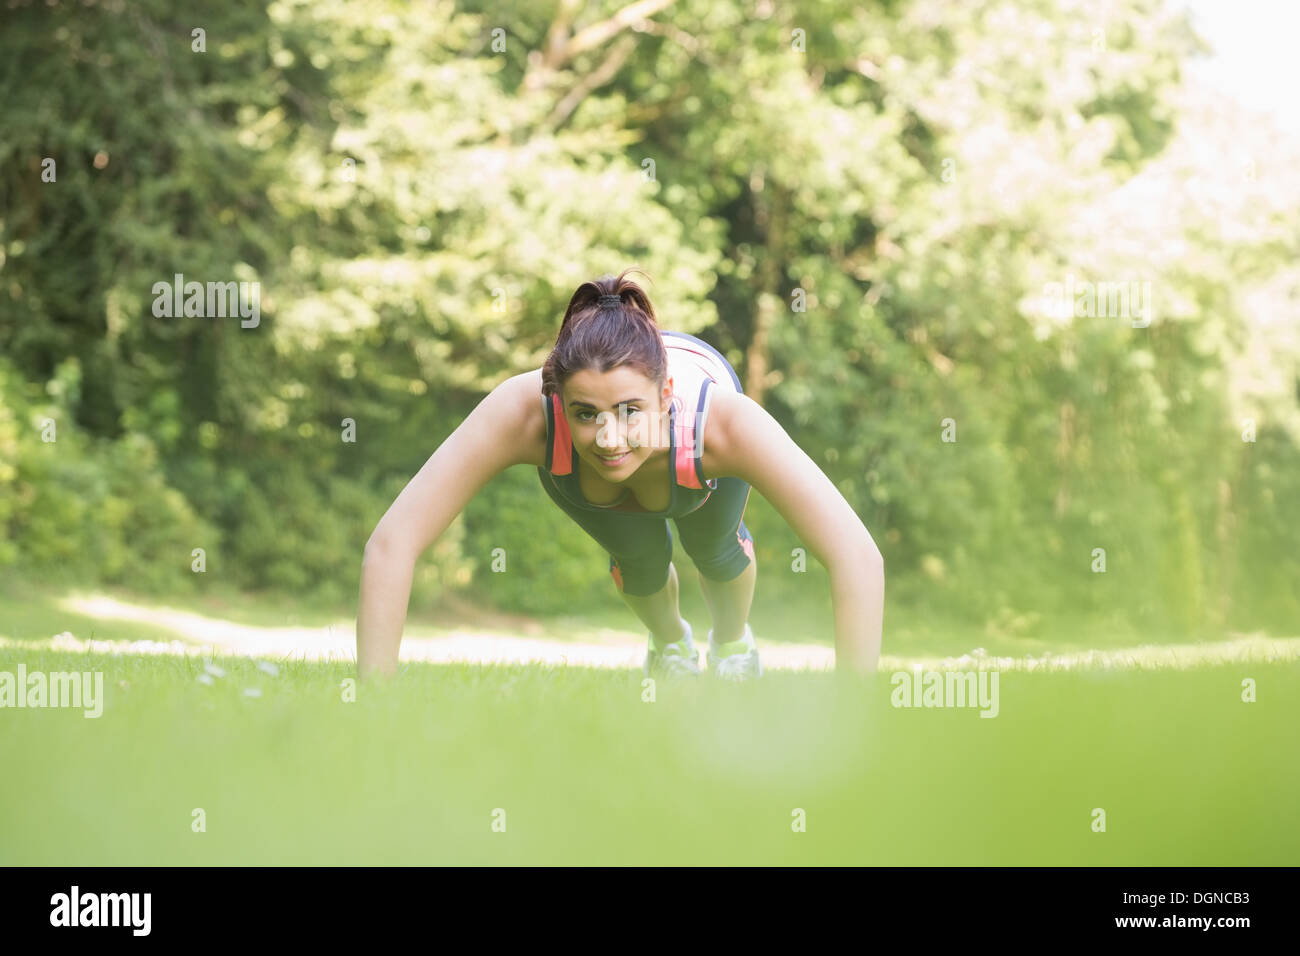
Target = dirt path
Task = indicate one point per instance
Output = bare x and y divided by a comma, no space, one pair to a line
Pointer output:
197,633
201,635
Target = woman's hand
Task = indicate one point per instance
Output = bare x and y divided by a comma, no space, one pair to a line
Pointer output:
386,573
500,432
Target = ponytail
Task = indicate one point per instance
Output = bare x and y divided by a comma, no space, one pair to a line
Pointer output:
609,323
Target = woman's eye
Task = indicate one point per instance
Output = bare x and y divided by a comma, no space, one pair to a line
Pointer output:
588,417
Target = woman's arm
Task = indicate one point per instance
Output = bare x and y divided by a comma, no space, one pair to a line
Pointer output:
493,437
745,441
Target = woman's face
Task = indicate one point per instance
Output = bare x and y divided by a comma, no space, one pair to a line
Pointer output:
618,419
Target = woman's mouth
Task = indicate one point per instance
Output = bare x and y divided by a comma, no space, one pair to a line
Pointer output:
612,461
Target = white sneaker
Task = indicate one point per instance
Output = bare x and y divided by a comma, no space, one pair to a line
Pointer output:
678,659
737,660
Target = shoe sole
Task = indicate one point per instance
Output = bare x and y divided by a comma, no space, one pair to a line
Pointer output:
738,680
648,669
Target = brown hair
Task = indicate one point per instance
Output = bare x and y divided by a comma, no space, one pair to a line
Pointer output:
602,337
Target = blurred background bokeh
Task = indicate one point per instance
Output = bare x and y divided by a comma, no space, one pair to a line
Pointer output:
864,206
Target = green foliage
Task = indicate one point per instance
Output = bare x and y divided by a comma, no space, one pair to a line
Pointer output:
862,206
85,509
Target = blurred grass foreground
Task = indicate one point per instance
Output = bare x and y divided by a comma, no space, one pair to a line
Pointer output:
538,764
1157,755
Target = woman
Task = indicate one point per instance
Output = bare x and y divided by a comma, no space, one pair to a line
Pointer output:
629,426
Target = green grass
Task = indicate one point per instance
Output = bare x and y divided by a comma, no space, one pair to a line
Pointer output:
589,773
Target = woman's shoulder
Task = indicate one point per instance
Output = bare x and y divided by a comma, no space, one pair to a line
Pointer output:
525,390
716,455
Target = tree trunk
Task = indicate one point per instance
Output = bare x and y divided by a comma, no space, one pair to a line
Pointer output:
1064,453
769,216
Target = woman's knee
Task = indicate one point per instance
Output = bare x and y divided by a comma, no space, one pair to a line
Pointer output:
640,577
728,561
